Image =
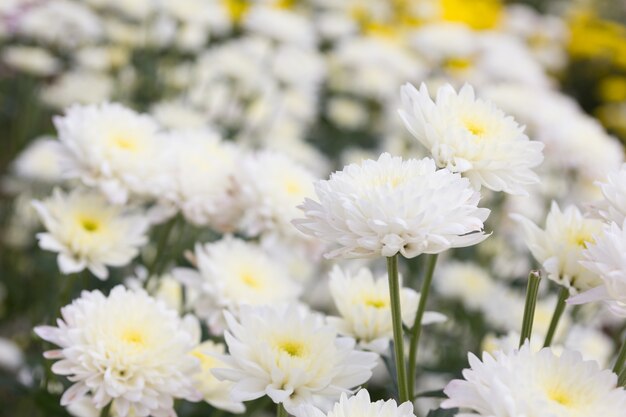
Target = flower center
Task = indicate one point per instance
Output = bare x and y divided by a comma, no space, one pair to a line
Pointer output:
90,225
375,302
250,280
475,128
293,188
561,397
457,64
125,143
206,361
134,337
292,348
581,239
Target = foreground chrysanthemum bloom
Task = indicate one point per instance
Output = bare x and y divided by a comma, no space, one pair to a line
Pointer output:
473,137
231,273
390,206
607,258
364,306
360,405
559,247
126,348
87,232
291,355
116,149
523,383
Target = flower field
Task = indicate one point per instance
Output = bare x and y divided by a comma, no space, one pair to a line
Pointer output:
312,208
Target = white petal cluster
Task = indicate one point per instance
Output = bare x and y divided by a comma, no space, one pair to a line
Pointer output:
613,207
559,247
467,282
126,348
525,383
360,405
87,232
116,149
271,186
473,137
214,391
205,168
291,355
364,306
606,256
232,273
390,206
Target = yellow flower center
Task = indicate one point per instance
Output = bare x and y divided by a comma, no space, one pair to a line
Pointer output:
250,280
292,348
206,361
134,337
457,64
475,128
581,239
292,187
125,143
376,302
561,397
89,224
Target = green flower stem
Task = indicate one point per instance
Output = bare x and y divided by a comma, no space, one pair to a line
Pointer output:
558,312
621,381
621,360
529,308
106,411
398,336
416,331
153,268
280,410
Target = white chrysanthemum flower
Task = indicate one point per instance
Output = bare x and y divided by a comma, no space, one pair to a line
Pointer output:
613,207
232,273
87,232
523,383
473,137
128,349
40,161
467,282
271,186
360,405
606,256
559,247
214,391
31,59
291,355
365,308
383,207
205,168
116,149
592,344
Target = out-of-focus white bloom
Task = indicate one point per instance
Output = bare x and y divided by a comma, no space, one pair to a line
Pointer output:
205,168
178,115
559,247
360,405
78,87
60,22
365,308
232,273
606,256
126,348
83,407
214,391
390,206
40,161
30,59
613,207
102,58
592,344
510,342
536,384
11,357
272,185
347,113
280,25
116,149
87,232
292,356
473,137
467,282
